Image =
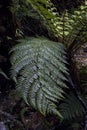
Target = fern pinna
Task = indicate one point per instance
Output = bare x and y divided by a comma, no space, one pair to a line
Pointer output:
71,108
39,70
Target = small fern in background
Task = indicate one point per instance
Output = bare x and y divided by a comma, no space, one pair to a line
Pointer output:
58,25
66,27
78,34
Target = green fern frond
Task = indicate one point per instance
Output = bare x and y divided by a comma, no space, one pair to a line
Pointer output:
57,25
67,27
39,69
78,34
71,107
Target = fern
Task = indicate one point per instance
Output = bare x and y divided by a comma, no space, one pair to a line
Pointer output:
78,34
71,107
67,27
39,69
39,65
58,25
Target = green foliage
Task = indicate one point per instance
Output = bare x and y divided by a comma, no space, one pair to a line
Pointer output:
78,34
39,65
71,107
39,69
14,6
67,27
24,9
58,25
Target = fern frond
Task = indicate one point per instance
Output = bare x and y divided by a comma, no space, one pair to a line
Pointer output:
78,34
57,25
39,69
71,107
67,27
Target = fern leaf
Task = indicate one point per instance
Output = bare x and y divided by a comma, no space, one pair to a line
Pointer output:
71,107
39,69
